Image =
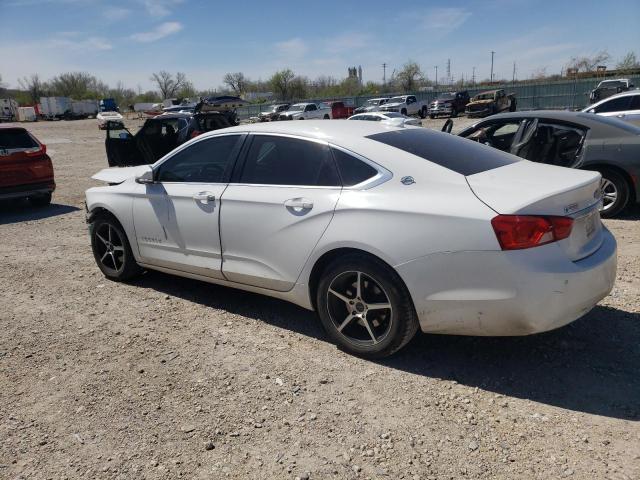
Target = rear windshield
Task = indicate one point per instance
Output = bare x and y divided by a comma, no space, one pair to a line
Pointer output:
211,122
16,138
458,154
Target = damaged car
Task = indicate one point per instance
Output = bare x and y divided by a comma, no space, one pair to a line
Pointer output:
571,139
449,104
273,111
490,103
158,136
607,88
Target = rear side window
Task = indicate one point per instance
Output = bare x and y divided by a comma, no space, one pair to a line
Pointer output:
289,161
614,105
449,151
352,171
16,138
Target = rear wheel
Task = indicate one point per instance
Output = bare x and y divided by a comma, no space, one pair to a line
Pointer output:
41,200
365,307
615,193
326,117
111,249
403,111
423,112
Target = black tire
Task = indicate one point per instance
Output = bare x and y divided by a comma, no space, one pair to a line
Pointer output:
512,106
118,265
396,325
454,113
423,112
432,116
326,117
404,111
41,200
622,191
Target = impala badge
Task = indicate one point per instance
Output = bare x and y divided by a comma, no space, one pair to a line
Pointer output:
570,208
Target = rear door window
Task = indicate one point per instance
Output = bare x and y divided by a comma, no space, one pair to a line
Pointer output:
352,170
454,153
273,160
614,105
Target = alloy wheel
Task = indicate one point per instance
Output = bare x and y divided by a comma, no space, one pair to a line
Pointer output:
359,308
110,247
609,194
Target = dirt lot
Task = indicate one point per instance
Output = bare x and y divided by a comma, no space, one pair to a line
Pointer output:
172,378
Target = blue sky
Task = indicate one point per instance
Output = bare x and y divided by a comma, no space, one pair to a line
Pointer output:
128,40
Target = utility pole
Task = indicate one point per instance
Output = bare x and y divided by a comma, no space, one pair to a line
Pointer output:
436,76
473,76
513,79
384,74
492,52
449,71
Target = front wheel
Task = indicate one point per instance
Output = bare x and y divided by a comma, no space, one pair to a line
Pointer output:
111,249
423,112
326,117
364,307
615,193
404,112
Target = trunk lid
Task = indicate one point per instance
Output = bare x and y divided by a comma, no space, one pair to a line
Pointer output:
528,188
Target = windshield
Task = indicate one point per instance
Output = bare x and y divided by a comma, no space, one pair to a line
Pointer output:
396,100
16,138
297,106
373,102
484,96
446,96
611,83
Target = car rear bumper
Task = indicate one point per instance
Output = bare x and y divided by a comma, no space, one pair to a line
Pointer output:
498,293
27,190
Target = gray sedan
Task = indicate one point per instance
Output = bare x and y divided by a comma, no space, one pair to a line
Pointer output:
571,139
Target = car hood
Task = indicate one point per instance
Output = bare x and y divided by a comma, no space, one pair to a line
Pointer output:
393,105
119,174
292,112
481,102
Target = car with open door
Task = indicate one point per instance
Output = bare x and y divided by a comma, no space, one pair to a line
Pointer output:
382,230
158,136
571,139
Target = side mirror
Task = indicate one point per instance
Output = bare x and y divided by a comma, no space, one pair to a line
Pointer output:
146,178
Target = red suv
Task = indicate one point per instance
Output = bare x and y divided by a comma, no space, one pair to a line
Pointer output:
25,168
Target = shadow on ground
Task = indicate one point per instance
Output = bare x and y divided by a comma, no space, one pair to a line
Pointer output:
591,366
16,211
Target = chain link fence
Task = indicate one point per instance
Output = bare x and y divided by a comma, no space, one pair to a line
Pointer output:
557,95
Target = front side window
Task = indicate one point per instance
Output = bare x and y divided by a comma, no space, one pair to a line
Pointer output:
207,161
311,108
635,103
614,105
289,161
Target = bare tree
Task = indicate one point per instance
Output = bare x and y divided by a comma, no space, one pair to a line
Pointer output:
629,62
589,64
34,87
410,77
167,84
236,82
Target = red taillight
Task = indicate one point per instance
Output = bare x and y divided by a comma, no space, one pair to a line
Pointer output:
515,232
36,153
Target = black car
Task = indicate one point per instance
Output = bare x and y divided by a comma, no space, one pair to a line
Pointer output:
570,139
158,136
449,103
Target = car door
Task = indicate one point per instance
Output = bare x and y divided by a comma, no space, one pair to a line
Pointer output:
176,217
311,111
633,112
276,208
121,147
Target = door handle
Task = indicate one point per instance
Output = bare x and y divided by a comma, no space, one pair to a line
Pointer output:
302,203
204,197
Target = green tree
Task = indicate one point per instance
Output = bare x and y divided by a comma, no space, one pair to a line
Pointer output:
409,78
280,83
33,86
236,82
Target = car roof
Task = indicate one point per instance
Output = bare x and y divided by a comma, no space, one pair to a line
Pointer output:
7,126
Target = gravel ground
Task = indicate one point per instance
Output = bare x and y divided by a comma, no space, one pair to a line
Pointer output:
173,378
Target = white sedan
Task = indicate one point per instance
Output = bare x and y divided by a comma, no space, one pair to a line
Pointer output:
387,118
382,230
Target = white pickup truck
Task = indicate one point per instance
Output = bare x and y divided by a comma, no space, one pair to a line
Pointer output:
406,105
306,111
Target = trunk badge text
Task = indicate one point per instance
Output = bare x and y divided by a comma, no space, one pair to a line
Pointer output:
570,208
407,180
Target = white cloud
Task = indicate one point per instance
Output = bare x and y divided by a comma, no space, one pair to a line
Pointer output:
71,41
161,31
159,8
116,13
292,48
445,20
